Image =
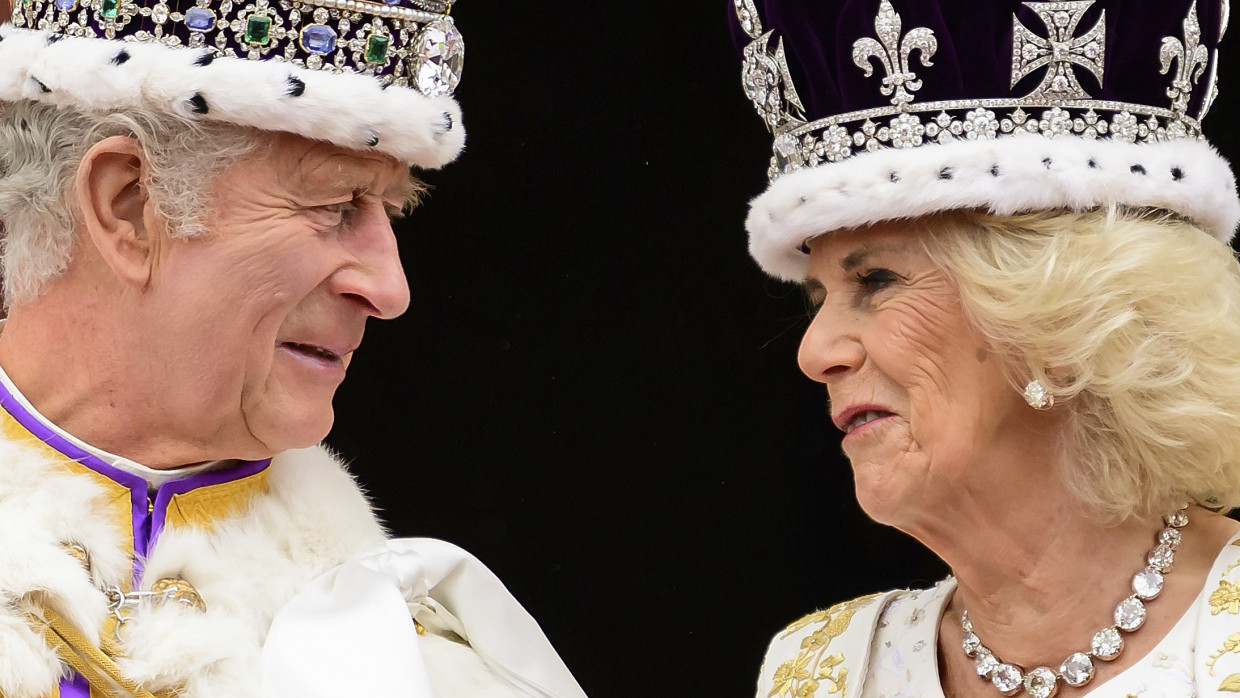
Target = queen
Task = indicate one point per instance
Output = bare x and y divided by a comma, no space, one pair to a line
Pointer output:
1028,326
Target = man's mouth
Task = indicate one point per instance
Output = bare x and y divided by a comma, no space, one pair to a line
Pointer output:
313,350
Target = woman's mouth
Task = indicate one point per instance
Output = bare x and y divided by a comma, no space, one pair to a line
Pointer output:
854,419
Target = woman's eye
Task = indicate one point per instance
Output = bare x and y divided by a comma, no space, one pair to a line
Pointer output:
876,279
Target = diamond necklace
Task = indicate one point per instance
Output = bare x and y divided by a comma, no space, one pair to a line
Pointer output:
1078,669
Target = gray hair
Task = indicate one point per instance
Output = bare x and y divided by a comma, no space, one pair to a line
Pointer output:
41,148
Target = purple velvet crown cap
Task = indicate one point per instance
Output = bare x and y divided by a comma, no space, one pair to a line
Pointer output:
974,56
363,74
895,109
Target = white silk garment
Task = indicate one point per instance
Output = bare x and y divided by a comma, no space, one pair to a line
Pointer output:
351,631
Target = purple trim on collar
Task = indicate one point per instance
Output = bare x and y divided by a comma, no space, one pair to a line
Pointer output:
143,512
74,687
211,477
136,484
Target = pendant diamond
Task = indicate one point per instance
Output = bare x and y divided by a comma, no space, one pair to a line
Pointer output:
1041,683
1107,644
1077,670
1179,519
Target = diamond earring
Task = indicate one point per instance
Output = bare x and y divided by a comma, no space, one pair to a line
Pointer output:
1037,397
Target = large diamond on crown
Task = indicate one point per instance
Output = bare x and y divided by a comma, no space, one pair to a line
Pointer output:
439,59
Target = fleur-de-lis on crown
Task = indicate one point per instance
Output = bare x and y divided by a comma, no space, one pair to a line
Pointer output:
895,53
1191,58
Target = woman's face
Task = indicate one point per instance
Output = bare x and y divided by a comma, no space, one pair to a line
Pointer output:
928,414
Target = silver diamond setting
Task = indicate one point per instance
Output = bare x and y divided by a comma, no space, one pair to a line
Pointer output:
440,57
1037,396
985,662
1162,557
1041,683
1147,584
1077,670
1007,678
1107,644
1130,614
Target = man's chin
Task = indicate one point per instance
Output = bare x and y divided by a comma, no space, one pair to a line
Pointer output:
288,433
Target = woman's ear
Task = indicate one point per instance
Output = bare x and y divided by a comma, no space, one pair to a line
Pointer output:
112,200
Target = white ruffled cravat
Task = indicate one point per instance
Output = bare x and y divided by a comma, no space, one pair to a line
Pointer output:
350,633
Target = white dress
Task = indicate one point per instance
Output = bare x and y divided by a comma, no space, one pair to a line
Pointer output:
884,646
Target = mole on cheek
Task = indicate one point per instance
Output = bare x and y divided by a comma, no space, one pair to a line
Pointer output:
982,355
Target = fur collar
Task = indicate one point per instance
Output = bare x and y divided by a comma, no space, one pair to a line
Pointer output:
310,517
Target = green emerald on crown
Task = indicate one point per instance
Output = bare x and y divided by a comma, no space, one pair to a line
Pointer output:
377,49
257,29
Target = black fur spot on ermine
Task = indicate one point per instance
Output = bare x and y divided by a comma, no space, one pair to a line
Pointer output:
198,104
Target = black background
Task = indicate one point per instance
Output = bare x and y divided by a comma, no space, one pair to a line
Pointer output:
595,389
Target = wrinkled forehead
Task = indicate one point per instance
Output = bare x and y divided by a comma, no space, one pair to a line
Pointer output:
316,166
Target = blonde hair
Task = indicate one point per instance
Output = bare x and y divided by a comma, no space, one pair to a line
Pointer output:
41,147
1132,320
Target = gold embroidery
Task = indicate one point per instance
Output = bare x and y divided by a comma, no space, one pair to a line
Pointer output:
1225,598
1231,684
201,508
812,668
1232,644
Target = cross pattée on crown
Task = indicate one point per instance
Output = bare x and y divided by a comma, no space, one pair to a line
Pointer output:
1060,50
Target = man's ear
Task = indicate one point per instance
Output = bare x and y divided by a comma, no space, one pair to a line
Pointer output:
113,204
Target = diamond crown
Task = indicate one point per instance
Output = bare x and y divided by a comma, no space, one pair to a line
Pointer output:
413,43
1057,46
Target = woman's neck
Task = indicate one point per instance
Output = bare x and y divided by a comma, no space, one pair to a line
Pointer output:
1037,588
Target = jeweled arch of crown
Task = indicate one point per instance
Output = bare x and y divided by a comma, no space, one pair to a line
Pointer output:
404,43
1059,48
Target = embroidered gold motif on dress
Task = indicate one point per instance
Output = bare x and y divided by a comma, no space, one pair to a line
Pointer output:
1226,598
813,668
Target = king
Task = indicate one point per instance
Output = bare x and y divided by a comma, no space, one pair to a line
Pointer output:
195,201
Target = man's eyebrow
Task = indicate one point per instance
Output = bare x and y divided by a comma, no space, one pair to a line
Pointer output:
405,195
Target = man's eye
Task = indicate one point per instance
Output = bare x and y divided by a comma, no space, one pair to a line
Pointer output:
339,213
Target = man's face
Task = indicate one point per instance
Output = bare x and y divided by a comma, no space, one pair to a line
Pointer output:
261,315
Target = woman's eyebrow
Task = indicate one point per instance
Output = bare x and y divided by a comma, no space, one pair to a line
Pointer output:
857,257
